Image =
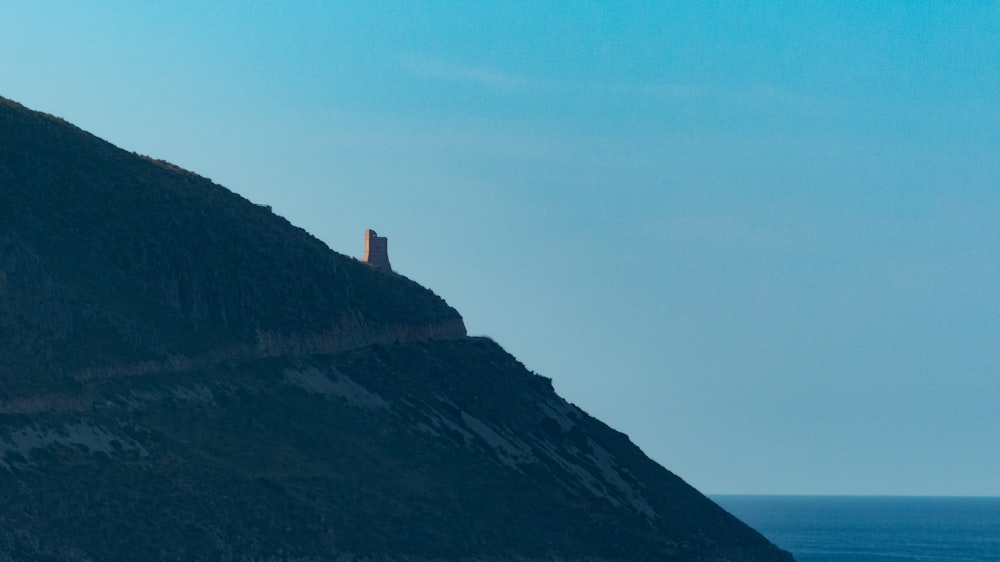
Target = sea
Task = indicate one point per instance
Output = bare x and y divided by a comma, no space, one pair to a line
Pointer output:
874,529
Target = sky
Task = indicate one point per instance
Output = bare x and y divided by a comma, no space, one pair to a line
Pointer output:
760,238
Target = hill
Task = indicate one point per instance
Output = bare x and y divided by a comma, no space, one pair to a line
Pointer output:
187,376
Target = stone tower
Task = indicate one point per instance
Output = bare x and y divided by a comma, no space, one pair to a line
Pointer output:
377,250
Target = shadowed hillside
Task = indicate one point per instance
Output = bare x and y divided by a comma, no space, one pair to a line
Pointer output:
186,376
110,259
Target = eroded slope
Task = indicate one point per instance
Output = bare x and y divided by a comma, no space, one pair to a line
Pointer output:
431,450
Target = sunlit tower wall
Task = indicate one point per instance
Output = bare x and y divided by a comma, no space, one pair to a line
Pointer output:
377,250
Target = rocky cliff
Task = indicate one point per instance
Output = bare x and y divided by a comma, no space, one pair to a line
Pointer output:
186,376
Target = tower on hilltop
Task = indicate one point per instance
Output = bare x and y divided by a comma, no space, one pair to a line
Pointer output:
377,250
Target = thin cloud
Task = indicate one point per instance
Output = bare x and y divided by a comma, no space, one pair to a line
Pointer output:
422,67
654,90
501,81
491,78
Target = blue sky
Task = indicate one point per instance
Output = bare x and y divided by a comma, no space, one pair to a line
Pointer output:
761,238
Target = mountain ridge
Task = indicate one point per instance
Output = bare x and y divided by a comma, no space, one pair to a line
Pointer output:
187,376
136,234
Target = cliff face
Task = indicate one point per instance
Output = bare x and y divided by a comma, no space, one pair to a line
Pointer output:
186,376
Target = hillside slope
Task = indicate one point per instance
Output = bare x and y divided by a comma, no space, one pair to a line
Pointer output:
186,376
112,259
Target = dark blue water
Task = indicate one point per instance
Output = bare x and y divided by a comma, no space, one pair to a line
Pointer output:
874,529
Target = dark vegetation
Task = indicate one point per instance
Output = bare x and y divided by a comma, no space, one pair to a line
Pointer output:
213,426
254,466
109,257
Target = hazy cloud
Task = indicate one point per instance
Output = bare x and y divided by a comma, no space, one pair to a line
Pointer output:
424,67
437,69
502,81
